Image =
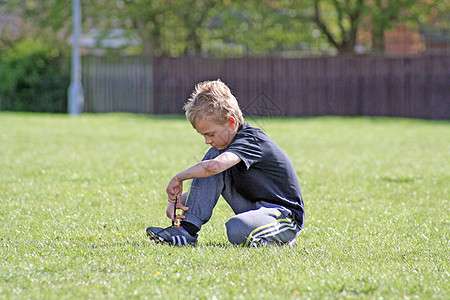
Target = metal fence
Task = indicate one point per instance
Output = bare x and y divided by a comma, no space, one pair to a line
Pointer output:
411,86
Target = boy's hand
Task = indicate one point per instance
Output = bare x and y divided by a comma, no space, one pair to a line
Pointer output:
174,188
170,211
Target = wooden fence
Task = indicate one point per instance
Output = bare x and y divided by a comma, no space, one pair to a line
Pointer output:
121,84
413,87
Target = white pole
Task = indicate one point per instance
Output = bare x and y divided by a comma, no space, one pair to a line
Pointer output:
76,98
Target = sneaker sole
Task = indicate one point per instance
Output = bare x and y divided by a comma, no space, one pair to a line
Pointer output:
157,239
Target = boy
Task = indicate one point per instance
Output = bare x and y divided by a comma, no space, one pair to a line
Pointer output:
245,166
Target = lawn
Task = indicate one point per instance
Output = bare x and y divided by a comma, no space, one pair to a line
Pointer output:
76,194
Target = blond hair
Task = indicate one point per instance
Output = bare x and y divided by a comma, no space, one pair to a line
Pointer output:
212,100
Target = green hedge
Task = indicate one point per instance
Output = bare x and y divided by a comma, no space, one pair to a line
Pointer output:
31,78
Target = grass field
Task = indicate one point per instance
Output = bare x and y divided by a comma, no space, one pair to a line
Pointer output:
76,194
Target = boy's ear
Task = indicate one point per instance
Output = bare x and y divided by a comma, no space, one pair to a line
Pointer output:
232,122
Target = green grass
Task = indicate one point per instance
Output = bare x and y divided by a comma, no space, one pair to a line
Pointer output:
76,194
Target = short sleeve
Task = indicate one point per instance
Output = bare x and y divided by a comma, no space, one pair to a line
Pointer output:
247,148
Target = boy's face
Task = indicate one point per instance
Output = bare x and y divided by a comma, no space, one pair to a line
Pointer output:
217,135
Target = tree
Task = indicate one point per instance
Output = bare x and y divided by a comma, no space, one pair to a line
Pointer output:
223,27
195,16
340,20
165,27
341,26
49,20
262,27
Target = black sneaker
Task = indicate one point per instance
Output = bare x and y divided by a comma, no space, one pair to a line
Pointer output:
173,235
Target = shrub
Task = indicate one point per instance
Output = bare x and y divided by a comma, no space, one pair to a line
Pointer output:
31,78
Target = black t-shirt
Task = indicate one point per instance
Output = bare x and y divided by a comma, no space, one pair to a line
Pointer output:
265,173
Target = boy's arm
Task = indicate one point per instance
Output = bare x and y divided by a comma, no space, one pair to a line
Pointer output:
204,168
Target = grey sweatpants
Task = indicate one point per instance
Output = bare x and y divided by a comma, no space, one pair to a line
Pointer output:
255,223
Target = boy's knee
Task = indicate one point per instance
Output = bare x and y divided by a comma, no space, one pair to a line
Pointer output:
236,231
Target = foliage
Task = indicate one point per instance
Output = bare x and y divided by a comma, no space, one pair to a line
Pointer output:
49,20
78,193
385,14
215,27
225,27
342,21
32,78
261,27
341,28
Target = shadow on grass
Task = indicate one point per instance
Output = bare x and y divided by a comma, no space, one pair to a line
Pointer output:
144,243
147,243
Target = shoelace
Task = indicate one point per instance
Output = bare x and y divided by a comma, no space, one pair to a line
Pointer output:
164,229
175,210
174,214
